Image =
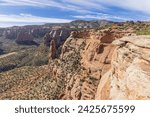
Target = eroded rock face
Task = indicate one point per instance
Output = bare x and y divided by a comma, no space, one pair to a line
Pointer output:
39,32
52,54
129,76
58,35
10,34
25,38
93,61
94,64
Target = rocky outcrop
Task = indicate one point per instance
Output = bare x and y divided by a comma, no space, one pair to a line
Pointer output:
52,53
39,32
92,60
129,76
55,40
58,35
93,64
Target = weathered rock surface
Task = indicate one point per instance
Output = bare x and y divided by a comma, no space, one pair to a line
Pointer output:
34,31
129,76
58,35
70,77
94,58
52,53
10,34
25,38
93,64
39,31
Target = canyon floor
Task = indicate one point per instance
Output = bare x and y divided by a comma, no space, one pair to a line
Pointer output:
110,62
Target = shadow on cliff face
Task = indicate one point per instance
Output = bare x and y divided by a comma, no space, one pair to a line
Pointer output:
25,38
27,43
1,51
7,67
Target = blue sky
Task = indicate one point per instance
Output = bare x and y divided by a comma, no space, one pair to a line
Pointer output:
24,12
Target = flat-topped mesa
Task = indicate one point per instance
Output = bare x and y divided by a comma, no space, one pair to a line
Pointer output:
129,76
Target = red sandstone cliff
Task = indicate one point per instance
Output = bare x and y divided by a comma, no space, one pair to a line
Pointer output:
93,64
129,75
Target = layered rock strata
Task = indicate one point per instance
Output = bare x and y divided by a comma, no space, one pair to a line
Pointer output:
129,76
93,64
58,35
25,38
85,58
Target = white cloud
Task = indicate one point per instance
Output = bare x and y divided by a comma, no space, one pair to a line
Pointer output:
83,5
87,16
30,18
102,16
86,4
23,19
134,5
45,3
87,9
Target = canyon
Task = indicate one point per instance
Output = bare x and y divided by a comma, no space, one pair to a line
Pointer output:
77,63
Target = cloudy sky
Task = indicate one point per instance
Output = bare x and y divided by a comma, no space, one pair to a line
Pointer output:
22,12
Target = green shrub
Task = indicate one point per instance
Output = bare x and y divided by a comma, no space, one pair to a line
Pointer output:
143,32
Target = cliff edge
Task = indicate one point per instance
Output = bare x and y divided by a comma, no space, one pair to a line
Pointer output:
129,76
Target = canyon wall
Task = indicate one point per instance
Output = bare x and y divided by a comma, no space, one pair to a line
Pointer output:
85,58
93,64
58,35
129,76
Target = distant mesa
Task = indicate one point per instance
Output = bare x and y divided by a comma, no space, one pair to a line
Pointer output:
25,38
89,24
25,34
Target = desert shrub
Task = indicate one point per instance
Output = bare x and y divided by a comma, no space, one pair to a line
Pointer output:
38,61
143,32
